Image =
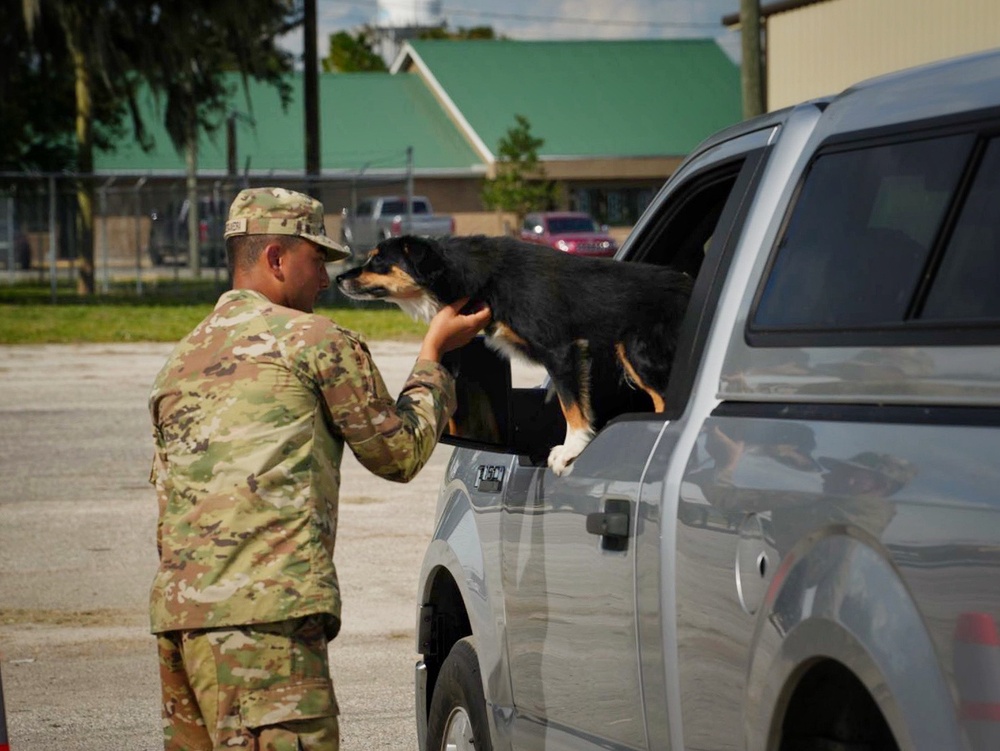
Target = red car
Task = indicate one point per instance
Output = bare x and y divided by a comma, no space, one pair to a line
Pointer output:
569,231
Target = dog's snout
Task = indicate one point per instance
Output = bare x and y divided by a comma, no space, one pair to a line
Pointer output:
347,275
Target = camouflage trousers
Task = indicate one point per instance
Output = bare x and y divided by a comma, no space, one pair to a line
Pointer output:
264,687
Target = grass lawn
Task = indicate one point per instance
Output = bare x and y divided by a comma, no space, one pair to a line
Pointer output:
164,313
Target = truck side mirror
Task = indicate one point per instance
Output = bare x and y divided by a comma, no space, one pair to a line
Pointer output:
494,416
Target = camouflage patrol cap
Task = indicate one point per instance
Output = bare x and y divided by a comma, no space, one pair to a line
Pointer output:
277,211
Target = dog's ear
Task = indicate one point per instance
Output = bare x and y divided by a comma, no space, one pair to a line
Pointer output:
430,264
424,254
418,248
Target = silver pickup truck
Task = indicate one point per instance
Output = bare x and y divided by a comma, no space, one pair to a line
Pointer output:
803,552
380,217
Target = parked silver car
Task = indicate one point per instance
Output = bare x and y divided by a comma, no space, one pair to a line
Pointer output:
803,551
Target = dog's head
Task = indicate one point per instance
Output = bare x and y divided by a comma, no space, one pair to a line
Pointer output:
408,271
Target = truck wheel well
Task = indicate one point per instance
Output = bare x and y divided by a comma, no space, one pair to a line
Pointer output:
451,623
831,709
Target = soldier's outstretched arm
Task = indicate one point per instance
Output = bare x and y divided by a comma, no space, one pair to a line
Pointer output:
394,436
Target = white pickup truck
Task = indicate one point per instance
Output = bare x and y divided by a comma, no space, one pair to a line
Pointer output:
803,552
380,217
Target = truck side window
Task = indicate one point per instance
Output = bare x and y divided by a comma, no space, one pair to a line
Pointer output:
683,234
860,234
697,234
966,284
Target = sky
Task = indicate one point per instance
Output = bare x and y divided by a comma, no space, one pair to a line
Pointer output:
537,19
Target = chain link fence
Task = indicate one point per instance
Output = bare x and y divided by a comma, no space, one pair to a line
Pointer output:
140,224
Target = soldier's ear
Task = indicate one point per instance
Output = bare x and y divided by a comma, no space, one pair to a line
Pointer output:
273,257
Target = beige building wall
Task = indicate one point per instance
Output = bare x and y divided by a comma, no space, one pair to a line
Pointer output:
825,47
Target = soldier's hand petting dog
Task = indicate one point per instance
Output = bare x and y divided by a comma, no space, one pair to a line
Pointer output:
452,328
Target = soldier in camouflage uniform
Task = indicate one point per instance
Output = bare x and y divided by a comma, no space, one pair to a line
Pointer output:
250,416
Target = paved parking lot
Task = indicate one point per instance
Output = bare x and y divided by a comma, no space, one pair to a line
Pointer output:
77,553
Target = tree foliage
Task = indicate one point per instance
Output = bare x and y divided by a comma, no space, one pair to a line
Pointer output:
519,185
199,44
353,54
181,51
33,132
36,132
443,32
356,53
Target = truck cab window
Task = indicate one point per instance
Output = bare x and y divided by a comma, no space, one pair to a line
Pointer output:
860,234
686,229
966,283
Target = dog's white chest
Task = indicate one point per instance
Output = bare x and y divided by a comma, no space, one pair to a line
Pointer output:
422,308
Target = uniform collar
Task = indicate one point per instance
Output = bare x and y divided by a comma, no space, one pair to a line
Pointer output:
237,295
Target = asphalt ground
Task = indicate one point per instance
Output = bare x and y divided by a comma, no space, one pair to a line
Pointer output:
77,555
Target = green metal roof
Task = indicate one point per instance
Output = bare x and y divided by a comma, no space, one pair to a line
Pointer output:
590,98
586,99
367,121
375,116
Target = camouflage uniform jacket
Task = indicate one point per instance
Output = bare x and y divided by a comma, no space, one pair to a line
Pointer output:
250,416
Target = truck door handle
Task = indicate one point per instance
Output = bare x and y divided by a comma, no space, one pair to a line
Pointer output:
612,524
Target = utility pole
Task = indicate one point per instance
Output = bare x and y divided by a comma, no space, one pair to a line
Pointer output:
752,74
311,83
409,186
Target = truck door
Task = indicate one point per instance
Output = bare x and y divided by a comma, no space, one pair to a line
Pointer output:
572,568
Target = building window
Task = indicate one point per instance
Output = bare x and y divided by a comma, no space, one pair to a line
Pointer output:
612,206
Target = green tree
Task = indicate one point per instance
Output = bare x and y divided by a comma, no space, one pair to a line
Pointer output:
201,44
356,53
353,54
443,32
96,40
519,184
180,49
36,132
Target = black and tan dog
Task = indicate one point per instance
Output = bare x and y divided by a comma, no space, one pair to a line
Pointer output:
596,325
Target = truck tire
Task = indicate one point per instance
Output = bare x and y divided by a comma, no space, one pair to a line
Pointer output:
458,720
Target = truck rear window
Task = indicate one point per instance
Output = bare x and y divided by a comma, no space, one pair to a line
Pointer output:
399,207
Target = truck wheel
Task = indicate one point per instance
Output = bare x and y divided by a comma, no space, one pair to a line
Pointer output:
457,719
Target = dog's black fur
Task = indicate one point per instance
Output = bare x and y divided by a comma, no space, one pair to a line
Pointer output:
595,324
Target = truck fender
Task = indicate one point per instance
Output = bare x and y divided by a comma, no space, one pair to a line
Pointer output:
456,551
838,596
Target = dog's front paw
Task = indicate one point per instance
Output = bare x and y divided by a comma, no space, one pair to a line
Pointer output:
561,457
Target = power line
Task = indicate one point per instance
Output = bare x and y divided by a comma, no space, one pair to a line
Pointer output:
449,11
585,21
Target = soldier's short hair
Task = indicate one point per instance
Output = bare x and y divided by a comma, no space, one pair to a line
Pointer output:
242,251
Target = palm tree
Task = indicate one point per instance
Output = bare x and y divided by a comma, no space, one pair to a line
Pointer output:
91,29
181,50
204,41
